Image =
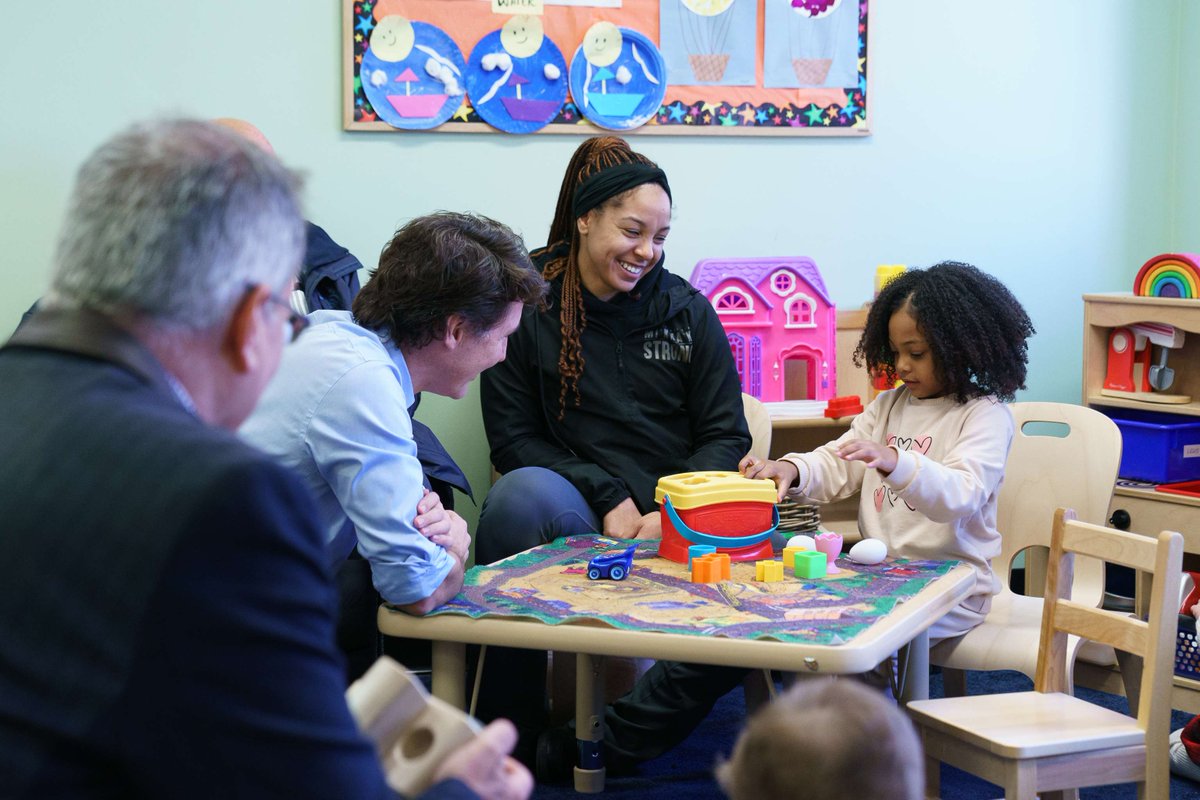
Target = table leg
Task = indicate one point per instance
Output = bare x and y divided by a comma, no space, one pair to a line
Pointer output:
916,676
449,666
589,722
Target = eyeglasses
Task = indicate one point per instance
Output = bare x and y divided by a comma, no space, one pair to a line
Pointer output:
295,323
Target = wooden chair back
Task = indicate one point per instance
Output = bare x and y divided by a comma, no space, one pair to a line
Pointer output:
1153,639
759,421
1062,455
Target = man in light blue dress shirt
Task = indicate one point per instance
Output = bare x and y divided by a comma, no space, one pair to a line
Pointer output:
448,291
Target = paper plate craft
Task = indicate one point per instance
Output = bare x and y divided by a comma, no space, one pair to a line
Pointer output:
517,77
618,78
1169,275
412,73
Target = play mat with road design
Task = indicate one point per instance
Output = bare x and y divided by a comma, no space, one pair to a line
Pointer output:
549,583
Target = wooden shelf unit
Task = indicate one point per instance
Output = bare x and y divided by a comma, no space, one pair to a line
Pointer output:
1103,312
1149,511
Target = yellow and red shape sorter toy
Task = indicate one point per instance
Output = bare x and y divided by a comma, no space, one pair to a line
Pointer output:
732,513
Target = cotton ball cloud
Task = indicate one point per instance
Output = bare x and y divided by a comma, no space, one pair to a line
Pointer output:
624,76
378,77
552,72
443,74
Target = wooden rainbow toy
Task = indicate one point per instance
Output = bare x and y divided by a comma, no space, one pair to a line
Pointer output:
1169,275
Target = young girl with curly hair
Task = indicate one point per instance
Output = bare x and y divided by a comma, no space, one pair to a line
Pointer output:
928,457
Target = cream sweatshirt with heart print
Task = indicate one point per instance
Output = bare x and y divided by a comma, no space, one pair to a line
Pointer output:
940,500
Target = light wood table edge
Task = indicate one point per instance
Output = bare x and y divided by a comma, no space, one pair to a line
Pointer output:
871,646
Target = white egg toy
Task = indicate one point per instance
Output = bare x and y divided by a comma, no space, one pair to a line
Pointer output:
807,542
868,551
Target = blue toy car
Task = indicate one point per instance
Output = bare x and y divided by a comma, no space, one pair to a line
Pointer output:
611,565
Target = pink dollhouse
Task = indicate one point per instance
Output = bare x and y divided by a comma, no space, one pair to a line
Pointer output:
780,323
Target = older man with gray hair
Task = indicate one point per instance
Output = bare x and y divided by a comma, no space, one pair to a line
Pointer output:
166,608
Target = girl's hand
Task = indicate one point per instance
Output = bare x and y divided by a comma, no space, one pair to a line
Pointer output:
872,454
784,473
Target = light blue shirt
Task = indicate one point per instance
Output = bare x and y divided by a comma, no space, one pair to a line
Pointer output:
336,412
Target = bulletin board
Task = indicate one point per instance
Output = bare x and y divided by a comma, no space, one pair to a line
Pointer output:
689,67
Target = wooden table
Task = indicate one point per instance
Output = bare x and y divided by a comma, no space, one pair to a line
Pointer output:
907,623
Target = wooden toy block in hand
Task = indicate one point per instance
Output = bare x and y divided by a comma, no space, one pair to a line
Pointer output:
413,732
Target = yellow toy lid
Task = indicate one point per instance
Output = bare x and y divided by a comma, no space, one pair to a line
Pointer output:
695,489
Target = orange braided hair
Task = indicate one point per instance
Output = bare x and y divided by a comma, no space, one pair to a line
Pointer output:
592,156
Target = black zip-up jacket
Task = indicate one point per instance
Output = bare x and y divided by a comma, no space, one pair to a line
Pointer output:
659,394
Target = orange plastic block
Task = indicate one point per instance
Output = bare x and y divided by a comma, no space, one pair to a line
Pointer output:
768,571
710,568
846,406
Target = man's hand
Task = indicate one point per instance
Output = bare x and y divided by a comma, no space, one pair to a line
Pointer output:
873,454
484,765
444,528
624,521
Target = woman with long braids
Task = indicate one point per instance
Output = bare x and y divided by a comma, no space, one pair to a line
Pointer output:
625,376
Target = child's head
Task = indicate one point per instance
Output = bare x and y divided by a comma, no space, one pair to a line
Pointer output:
826,740
974,329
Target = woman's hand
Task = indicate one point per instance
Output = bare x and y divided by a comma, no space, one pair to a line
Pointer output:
624,521
651,526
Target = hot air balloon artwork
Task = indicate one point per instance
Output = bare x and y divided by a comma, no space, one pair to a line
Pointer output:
709,41
706,34
517,77
412,73
810,43
617,78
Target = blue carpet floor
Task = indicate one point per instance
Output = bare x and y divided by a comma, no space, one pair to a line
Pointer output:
686,772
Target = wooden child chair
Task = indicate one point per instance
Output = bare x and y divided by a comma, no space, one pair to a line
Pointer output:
1044,471
1048,740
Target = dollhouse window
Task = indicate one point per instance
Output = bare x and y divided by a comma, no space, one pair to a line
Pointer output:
733,301
755,366
783,282
800,312
737,345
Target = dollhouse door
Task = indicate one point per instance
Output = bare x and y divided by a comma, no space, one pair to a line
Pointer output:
801,373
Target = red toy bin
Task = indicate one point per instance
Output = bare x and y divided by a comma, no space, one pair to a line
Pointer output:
735,514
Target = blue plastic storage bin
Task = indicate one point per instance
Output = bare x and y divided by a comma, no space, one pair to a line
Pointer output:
1156,447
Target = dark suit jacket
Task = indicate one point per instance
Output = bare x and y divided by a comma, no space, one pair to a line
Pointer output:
166,613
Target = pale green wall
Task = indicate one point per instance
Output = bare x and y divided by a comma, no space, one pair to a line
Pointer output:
1037,140
1185,173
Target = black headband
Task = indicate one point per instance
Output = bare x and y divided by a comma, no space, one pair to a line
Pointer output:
606,183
